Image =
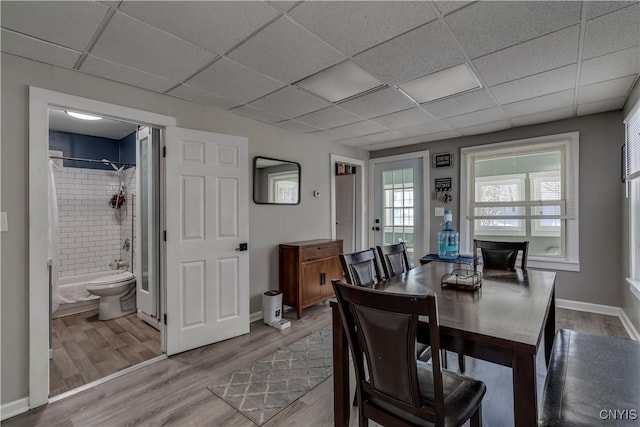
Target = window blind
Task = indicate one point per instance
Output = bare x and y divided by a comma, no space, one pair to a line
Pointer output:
632,140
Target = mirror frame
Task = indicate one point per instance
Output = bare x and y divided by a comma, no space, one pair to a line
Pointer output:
255,167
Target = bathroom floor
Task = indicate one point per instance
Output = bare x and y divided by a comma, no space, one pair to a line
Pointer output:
86,349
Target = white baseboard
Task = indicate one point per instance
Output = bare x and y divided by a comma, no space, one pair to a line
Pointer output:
11,409
607,310
254,317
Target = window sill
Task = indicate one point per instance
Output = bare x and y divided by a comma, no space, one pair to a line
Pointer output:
634,287
548,264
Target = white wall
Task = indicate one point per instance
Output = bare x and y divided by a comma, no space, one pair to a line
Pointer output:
269,225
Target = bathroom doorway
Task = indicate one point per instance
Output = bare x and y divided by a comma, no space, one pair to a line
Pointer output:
348,214
104,248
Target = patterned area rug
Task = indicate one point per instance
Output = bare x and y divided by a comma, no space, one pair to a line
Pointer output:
266,387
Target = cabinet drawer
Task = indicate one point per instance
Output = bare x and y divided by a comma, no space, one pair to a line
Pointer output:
317,252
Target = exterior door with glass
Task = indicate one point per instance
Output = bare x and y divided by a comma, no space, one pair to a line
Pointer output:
398,206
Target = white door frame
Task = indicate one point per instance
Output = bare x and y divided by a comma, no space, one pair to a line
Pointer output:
39,102
426,192
361,207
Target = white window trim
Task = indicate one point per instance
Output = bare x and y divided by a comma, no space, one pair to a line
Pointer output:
634,284
571,262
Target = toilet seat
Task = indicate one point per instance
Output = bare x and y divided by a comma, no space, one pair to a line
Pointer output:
113,279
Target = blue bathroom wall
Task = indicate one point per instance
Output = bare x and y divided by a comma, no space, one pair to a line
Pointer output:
93,147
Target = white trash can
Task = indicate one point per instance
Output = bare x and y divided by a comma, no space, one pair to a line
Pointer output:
272,307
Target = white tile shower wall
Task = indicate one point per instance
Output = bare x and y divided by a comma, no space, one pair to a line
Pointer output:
90,234
128,220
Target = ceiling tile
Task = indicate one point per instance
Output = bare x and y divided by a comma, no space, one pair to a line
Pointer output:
352,26
296,126
607,67
545,116
423,129
195,95
612,32
534,56
286,52
446,7
486,27
597,8
601,106
476,118
254,113
460,104
329,118
31,48
214,25
234,81
138,45
425,50
67,23
378,103
605,90
404,118
413,140
542,103
120,73
384,136
327,134
283,5
485,128
536,85
290,102
358,129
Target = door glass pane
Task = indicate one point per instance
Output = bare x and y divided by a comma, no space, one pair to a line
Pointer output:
398,207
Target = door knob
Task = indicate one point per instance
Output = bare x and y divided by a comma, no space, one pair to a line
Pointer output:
242,247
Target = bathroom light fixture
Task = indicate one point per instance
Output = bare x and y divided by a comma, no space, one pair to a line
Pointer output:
82,116
441,84
340,81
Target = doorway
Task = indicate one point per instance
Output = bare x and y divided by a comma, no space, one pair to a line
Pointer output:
400,203
348,203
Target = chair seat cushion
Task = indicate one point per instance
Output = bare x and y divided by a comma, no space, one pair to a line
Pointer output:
588,376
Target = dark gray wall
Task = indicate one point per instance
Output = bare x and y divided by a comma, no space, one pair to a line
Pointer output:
600,209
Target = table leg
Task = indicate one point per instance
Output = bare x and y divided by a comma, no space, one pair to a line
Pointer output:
341,407
525,406
550,329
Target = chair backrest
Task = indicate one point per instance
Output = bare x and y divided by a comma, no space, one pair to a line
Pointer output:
381,330
394,259
500,255
361,268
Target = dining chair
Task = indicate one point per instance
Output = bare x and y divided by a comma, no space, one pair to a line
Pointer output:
500,255
393,388
394,259
361,268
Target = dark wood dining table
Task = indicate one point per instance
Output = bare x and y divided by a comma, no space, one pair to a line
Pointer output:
504,322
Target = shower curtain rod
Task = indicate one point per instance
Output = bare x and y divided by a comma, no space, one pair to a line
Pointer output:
80,159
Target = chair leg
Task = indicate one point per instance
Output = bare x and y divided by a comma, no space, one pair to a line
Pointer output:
476,418
461,362
443,358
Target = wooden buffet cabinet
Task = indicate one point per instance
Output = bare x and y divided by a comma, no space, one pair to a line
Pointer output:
306,271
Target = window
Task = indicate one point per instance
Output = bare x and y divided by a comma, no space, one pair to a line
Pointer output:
524,190
283,187
632,174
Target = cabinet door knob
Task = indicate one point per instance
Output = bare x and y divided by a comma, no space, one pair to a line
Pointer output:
323,278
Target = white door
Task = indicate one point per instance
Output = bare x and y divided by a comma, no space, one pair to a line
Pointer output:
398,206
346,211
207,222
147,223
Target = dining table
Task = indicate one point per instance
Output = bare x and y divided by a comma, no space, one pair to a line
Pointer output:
504,321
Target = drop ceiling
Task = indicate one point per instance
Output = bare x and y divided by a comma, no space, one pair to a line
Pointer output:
535,61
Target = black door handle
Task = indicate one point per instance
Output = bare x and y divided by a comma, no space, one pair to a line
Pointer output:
242,247
323,278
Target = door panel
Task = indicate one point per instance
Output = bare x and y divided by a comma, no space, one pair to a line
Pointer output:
207,178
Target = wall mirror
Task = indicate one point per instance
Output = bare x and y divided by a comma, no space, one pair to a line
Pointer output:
276,182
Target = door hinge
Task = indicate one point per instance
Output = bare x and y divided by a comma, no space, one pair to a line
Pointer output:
164,235
164,318
164,151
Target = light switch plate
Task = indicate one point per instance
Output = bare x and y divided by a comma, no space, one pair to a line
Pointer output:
3,222
439,212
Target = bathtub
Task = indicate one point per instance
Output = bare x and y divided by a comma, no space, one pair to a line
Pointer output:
73,295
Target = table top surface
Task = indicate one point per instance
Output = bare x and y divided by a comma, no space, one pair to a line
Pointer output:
435,257
509,310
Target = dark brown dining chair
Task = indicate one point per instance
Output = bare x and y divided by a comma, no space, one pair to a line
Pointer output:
500,255
394,259
361,268
393,388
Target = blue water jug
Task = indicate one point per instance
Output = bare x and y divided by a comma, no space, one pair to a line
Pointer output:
448,239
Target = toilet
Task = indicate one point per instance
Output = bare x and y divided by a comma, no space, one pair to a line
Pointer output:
117,294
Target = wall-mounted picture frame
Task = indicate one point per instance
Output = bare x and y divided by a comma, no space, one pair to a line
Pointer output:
442,160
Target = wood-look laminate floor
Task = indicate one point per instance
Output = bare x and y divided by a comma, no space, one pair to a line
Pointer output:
173,392
86,349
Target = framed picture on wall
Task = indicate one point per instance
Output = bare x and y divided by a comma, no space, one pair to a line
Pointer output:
442,160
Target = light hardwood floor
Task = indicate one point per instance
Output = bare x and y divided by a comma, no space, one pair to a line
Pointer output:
173,392
86,349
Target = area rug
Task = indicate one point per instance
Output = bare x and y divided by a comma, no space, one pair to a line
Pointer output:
266,387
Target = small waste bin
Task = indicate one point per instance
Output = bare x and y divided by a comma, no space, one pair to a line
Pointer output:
272,307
